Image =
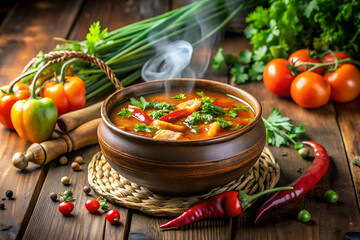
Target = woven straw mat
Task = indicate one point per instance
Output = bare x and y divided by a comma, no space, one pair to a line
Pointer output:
106,182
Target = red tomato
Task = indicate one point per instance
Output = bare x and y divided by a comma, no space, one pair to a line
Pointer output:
310,90
345,83
277,77
300,56
69,96
66,207
92,205
330,58
113,216
8,100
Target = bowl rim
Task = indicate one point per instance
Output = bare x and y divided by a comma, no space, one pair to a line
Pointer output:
257,118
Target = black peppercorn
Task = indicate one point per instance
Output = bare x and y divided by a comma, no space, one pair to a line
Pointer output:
2,206
9,194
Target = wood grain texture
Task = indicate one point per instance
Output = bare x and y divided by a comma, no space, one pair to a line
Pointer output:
22,35
348,115
321,126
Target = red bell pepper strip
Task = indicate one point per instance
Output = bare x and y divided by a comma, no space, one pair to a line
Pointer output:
226,204
140,115
303,184
175,115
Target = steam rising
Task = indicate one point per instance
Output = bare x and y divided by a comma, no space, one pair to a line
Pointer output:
176,58
170,62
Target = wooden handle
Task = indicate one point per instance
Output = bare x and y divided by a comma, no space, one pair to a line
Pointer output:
45,152
71,120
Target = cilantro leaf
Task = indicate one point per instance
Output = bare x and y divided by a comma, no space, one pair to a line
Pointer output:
196,117
200,93
218,60
95,34
245,56
223,123
280,130
205,99
143,104
179,96
164,106
357,161
212,109
234,111
142,127
124,113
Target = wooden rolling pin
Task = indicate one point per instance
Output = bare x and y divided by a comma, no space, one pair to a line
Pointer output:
43,153
71,120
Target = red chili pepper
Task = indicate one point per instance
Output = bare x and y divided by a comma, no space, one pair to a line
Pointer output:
140,115
226,204
175,115
303,184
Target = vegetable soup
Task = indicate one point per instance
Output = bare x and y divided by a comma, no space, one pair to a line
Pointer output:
182,115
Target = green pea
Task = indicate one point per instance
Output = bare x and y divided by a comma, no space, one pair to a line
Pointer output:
304,152
304,216
331,196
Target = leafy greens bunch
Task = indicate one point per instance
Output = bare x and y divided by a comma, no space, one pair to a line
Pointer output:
128,48
288,25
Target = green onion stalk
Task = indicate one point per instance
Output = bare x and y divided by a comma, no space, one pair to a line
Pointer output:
128,48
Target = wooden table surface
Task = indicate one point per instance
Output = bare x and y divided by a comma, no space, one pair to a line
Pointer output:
30,26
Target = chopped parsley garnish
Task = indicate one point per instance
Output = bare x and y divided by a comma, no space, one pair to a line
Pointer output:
200,93
223,123
237,127
143,104
234,111
179,96
142,127
280,130
124,113
195,117
212,109
158,114
163,106
206,99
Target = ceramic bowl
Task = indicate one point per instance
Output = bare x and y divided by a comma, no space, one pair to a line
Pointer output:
181,168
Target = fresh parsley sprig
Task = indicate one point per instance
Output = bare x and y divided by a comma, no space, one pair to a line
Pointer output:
142,127
143,104
280,130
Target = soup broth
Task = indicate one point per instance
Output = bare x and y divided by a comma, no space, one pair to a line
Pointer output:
182,115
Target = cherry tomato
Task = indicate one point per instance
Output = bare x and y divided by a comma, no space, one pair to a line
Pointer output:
277,77
310,90
330,58
300,56
344,82
113,216
92,205
66,207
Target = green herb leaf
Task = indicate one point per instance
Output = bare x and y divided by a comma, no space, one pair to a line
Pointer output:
196,117
218,60
158,113
234,111
223,123
200,93
357,161
95,34
164,106
245,57
195,130
280,130
209,108
142,127
205,99
143,104
179,96
124,113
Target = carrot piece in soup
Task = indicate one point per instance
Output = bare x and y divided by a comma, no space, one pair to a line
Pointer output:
214,130
168,126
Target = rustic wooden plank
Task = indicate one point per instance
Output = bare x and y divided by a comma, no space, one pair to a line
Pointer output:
27,29
321,126
348,115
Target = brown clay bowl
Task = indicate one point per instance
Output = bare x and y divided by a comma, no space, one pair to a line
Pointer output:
181,167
